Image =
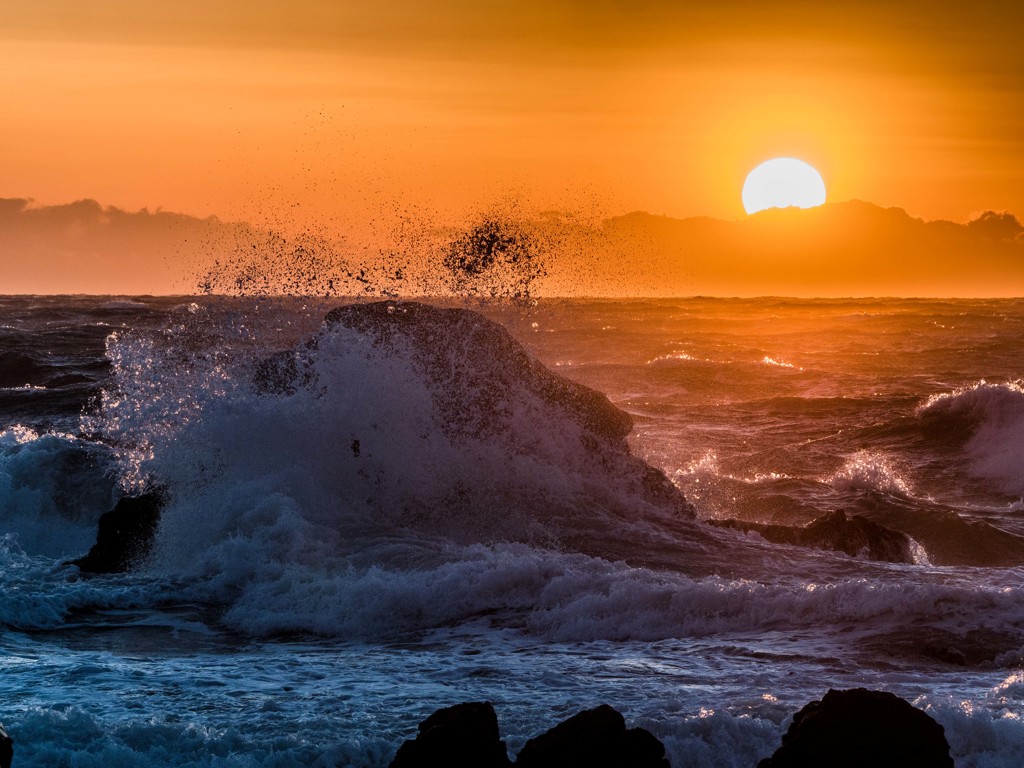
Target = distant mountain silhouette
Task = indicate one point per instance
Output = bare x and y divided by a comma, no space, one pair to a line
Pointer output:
839,249
83,247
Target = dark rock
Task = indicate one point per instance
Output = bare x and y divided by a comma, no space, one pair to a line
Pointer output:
948,538
834,531
861,729
125,535
462,736
476,387
596,738
485,385
6,748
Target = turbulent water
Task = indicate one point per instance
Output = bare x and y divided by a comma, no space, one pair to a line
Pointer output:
333,564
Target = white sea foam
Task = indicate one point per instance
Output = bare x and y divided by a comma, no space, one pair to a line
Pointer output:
771,361
39,593
870,471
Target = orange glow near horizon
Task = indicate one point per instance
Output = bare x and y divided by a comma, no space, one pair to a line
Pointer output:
338,116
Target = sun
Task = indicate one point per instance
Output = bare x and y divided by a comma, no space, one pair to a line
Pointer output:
781,183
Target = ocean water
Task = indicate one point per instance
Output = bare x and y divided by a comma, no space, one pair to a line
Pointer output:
308,603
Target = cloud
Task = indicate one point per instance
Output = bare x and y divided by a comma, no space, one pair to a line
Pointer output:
996,226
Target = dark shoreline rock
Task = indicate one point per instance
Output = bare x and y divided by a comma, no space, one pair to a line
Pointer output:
596,738
6,748
467,736
836,532
461,736
858,727
125,534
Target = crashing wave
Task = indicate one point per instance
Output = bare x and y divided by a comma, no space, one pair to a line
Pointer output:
988,418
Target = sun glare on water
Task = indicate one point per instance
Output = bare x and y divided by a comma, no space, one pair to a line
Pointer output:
781,183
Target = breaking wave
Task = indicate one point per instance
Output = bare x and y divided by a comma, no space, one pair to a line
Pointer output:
989,419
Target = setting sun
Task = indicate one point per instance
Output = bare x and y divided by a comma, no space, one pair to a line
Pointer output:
781,183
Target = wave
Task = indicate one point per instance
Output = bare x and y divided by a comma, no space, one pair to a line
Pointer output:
396,439
988,418
367,482
870,471
53,489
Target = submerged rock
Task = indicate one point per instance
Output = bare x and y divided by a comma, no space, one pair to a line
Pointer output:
596,738
835,531
861,728
125,535
462,736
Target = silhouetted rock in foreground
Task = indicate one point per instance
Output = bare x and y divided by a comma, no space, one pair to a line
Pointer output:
466,736
861,729
462,736
596,738
856,536
125,535
6,748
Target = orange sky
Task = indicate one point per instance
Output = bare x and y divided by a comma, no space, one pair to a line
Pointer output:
233,107
340,114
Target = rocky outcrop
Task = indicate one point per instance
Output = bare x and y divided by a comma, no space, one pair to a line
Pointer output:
125,535
462,736
596,738
483,385
466,736
854,535
476,364
850,729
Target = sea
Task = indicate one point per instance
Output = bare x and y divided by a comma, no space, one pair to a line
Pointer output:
310,599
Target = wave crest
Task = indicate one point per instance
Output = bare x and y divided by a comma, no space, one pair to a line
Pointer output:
988,418
870,471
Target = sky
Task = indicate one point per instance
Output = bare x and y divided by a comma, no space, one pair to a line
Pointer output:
345,116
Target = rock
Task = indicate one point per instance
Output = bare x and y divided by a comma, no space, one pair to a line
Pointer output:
462,736
855,535
855,728
477,363
596,738
6,748
125,535
565,473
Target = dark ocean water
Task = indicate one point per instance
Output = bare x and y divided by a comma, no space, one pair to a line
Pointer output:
298,611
